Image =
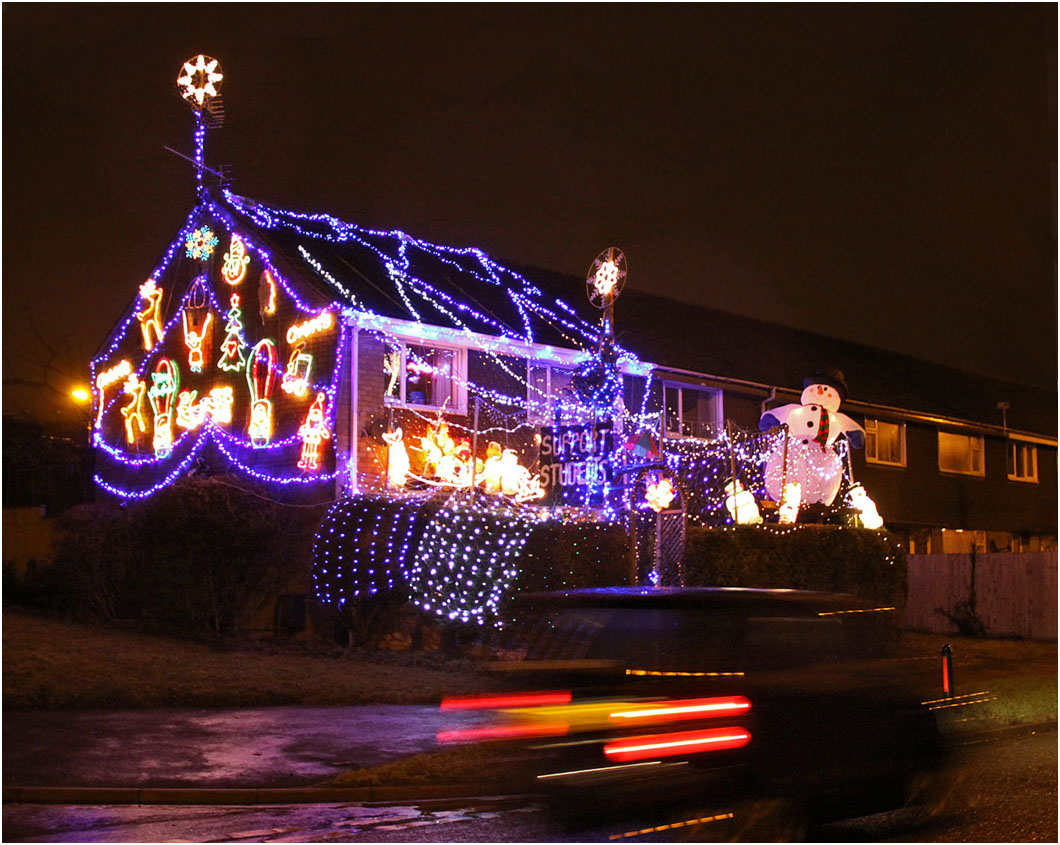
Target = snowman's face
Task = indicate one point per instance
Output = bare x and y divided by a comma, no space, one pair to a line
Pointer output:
821,394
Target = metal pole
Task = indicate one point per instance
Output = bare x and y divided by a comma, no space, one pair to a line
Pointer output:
633,546
784,477
389,430
732,472
474,445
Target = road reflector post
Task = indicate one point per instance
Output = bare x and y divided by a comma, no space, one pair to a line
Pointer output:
947,670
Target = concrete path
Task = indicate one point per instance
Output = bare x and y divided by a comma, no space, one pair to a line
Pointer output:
254,748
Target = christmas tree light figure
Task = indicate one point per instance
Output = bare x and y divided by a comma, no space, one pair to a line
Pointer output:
232,358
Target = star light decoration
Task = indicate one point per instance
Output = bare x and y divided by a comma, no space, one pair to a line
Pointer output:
199,79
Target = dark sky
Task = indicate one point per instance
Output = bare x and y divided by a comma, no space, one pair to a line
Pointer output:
882,173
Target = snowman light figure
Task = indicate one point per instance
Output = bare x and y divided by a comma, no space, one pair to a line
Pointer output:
741,504
867,513
813,428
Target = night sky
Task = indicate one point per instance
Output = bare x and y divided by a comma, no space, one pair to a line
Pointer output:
885,174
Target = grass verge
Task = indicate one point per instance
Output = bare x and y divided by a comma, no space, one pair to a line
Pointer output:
49,664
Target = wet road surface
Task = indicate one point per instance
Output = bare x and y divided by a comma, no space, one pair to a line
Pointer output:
1001,791
257,747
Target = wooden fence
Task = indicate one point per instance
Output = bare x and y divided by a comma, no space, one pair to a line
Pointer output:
1005,595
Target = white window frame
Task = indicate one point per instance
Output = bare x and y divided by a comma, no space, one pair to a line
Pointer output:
544,406
871,424
459,375
1014,447
719,419
981,472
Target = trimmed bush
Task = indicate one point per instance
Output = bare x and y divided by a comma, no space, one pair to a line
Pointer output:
198,557
830,558
564,556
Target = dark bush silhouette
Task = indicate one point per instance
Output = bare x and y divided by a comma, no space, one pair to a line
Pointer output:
200,556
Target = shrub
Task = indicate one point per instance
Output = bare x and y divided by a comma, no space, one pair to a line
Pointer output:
200,556
564,556
813,557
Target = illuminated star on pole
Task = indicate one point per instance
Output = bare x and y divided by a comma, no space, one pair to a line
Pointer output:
199,79
606,278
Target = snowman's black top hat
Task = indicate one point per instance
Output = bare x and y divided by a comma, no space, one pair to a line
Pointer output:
830,376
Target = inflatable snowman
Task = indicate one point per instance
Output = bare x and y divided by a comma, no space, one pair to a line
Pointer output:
813,428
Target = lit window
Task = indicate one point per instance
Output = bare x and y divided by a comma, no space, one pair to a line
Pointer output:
960,453
1022,462
884,443
547,385
421,376
692,411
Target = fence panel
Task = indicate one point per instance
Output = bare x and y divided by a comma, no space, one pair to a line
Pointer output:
936,583
1015,594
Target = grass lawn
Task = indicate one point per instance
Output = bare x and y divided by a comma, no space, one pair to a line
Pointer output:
1018,677
53,664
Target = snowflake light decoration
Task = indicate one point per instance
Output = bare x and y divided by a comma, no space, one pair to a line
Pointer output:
199,79
659,494
200,243
606,279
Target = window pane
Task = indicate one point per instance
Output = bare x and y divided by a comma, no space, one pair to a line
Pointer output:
698,412
1022,461
392,369
429,376
889,443
870,445
960,453
673,411
538,407
560,383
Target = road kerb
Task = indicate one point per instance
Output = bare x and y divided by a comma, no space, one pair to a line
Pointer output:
94,795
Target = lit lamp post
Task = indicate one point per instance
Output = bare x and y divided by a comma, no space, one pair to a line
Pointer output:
83,397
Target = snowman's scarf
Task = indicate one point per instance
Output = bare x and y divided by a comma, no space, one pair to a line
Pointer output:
822,428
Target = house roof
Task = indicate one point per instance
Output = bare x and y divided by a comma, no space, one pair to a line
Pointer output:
731,346
393,274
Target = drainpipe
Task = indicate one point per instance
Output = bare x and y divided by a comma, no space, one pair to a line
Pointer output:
355,423
770,398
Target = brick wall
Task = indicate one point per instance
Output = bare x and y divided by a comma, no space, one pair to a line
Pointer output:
371,386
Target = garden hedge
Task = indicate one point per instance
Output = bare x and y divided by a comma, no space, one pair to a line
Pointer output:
831,558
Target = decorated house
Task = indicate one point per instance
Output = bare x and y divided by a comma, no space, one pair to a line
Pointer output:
309,354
